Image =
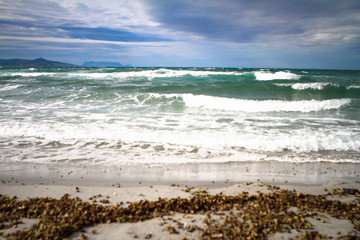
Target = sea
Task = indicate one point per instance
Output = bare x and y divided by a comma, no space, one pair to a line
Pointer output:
136,116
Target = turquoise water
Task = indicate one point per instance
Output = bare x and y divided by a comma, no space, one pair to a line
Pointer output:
120,116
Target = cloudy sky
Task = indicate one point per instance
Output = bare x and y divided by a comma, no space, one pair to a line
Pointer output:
208,33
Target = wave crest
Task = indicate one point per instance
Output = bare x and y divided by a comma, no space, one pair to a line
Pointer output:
241,105
268,76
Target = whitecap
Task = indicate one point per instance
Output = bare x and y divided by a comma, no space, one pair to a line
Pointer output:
8,87
151,74
32,74
304,86
243,105
268,76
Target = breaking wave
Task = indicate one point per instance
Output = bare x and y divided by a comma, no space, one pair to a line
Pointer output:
268,76
242,105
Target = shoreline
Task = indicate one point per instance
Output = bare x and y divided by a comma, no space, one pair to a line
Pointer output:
275,172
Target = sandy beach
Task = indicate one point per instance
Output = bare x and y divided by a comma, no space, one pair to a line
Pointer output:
179,119
136,186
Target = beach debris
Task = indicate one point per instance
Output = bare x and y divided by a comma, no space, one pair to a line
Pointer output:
351,191
216,236
187,189
170,229
244,216
345,192
104,201
148,236
191,228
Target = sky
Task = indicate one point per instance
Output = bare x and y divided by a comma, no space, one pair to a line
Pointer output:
321,34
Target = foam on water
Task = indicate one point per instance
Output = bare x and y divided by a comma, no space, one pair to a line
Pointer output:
88,116
33,74
151,74
305,86
8,87
241,105
268,76
177,138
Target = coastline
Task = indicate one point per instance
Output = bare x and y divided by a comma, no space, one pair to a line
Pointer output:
275,172
133,184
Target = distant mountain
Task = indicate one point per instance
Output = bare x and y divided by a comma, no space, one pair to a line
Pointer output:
103,64
39,62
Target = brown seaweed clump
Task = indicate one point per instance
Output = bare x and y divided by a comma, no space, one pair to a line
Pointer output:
243,216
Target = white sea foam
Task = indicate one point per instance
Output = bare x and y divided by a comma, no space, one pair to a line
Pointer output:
151,74
241,105
267,76
304,86
32,74
172,137
159,73
80,124
126,140
8,87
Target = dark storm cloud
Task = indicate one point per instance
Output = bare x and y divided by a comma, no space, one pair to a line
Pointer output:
247,20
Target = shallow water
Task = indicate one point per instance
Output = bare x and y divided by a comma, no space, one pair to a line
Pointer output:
130,116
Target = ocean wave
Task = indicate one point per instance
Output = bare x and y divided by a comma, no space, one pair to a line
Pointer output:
151,74
242,105
299,141
261,75
8,87
98,140
304,86
33,74
268,76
